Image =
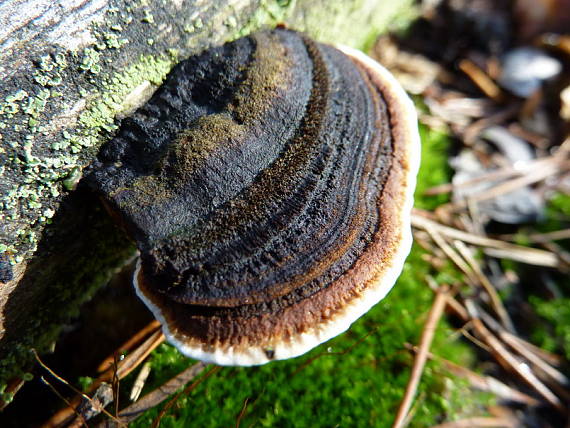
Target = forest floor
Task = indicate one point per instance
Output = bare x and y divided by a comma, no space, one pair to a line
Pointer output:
477,330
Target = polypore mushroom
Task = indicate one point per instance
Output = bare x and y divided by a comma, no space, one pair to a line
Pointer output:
268,186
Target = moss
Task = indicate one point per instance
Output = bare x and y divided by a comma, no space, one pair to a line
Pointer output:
557,214
434,159
268,14
354,23
553,334
552,331
359,22
85,382
70,182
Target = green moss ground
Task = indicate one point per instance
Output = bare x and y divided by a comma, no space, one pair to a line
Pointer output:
552,332
549,303
356,379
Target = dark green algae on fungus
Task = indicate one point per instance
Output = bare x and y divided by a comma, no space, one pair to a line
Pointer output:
268,186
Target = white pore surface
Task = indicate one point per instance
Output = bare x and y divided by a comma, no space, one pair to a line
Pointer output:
400,106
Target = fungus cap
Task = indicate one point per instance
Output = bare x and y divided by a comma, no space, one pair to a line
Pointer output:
268,185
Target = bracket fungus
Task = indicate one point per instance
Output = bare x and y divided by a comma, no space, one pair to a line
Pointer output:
268,185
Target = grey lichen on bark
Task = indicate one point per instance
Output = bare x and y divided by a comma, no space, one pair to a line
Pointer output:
70,70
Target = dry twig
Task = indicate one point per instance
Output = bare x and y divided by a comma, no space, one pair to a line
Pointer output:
160,394
482,383
123,368
520,346
481,422
79,417
451,253
12,388
474,130
507,250
421,356
553,167
93,403
511,363
242,412
138,385
496,302
126,347
539,238
482,80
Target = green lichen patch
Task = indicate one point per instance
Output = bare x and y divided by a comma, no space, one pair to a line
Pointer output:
11,104
90,61
269,13
41,156
359,22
